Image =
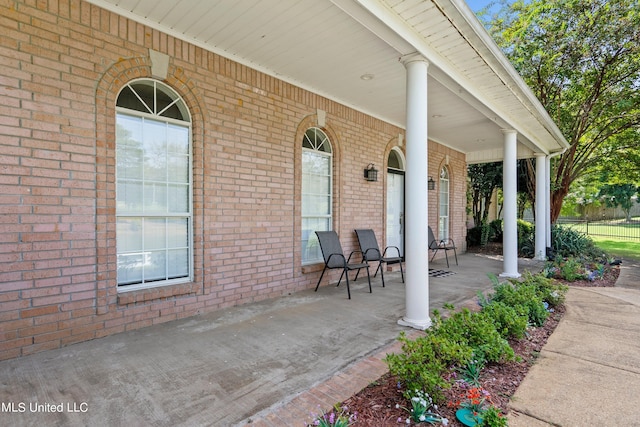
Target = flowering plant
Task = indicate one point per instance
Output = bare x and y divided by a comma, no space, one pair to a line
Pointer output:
473,399
423,410
338,417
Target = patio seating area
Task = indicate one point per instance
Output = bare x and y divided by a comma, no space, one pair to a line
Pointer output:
228,367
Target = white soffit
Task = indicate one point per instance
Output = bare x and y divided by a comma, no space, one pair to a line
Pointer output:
326,46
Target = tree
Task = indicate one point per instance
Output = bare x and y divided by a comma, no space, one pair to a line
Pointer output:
581,58
615,195
484,179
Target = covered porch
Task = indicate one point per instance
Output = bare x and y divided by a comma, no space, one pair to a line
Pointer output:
268,363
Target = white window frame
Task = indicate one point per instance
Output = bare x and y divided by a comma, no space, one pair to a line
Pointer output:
444,205
155,113
320,145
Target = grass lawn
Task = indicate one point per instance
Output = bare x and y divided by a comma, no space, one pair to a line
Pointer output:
618,248
610,230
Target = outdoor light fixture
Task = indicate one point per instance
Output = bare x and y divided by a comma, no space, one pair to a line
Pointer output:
431,184
371,173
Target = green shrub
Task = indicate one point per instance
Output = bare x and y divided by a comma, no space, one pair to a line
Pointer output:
515,293
473,236
526,239
567,242
424,361
549,290
478,332
449,343
492,417
510,322
495,235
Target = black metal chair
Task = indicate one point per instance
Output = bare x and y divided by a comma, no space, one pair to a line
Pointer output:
445,245
334,258
371,252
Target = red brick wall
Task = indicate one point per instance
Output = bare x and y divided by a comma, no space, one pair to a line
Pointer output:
63,63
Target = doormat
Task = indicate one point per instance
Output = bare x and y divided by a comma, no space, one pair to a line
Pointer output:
440,273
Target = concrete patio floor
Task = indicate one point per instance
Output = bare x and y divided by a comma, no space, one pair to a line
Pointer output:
228,367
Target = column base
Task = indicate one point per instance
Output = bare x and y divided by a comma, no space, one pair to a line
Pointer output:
416,324
515,275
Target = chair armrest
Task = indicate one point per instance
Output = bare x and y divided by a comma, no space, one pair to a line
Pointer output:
356,252
391,247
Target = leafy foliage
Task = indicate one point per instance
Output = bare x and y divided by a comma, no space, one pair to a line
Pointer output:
567,242
465,340
483,180
582,60
619,195
526,238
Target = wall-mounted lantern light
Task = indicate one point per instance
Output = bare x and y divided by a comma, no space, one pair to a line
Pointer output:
431,184
371,173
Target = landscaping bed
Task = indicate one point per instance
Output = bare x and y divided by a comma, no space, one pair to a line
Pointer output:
383,402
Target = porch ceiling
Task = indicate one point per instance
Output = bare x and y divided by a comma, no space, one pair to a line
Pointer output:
326,46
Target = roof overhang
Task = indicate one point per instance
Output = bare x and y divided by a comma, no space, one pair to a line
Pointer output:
349,50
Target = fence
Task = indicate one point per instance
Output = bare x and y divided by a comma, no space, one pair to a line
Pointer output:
616,228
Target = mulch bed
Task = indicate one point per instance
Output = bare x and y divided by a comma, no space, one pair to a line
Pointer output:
375,405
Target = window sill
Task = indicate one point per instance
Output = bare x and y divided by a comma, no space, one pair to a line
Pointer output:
158,293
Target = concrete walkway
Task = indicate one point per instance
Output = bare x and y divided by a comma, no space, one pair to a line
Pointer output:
265,364
588,373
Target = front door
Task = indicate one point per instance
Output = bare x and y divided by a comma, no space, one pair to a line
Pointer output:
395,210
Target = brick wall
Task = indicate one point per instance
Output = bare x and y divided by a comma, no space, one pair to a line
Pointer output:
63,64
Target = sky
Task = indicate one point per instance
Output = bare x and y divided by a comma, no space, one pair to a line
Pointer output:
477,5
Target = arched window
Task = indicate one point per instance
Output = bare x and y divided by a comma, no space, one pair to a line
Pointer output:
153,187
317,192
443,206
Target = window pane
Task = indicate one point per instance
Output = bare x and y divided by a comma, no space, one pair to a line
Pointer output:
179,197
177,139
313,184
155,197
178,168
315,164
177,233
130,267
178,263
155,151
316,205
129,197
155,233
129,231
310,247
156,268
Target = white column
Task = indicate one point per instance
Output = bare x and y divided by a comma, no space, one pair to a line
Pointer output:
416,204
541,207
510,210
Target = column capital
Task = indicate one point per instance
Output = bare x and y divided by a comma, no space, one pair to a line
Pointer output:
508,131
539,154
413,57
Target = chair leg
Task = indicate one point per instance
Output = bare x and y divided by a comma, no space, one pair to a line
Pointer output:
401,271
340,280
434,254
381,272
456,255
319,280
348,290
446,255
369,279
